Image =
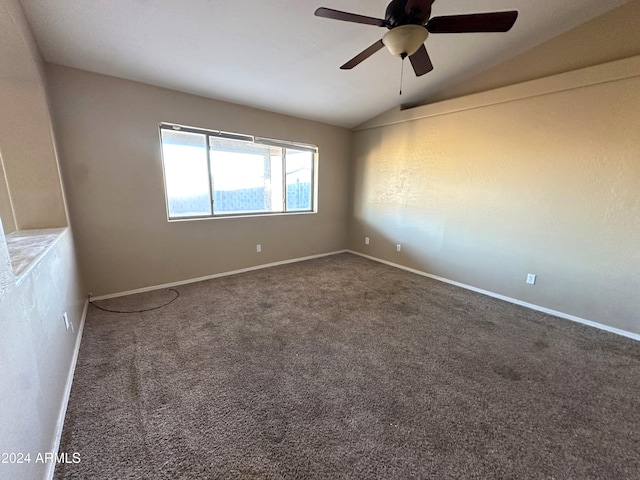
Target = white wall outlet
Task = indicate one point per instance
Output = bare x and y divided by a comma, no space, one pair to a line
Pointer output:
531,279
398,247
65,317
366,240
258,248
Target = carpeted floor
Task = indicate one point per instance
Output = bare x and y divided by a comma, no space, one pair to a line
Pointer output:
344,368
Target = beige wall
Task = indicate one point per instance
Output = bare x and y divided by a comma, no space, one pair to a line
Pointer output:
36,350
542,178
26,142
612,36
109,146
6,211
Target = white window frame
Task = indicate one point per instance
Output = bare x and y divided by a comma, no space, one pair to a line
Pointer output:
283,144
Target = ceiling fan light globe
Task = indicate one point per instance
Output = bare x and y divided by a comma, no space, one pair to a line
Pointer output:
405,39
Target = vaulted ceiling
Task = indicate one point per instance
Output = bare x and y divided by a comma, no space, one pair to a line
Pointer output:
277,55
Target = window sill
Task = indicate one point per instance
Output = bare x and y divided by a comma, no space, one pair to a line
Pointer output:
27,247
246,215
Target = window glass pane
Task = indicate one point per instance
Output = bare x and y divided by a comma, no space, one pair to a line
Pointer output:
299,175
186,173
246,177
237,175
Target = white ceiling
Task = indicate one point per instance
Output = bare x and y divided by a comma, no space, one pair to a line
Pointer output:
276,55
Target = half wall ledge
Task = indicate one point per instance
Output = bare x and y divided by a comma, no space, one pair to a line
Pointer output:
27,247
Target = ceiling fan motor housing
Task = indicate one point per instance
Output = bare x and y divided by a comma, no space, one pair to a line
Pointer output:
407,12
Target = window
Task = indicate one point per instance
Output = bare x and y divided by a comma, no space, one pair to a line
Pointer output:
212,174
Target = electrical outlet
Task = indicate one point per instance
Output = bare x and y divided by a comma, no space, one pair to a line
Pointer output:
398,247
258,248
531,279
65,317
366,240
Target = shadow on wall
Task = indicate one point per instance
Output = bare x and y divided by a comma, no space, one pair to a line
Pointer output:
538,179
417,248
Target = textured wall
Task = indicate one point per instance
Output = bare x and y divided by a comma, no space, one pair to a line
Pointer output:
35,354
35,348
110,158
537,178
6,272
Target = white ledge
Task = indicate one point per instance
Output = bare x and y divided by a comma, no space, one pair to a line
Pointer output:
27,247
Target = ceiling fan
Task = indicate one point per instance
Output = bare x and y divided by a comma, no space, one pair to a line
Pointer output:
409,25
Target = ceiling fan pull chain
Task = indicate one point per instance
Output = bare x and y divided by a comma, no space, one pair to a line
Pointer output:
404,55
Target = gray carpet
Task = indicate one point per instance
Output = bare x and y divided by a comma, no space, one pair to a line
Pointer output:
344,368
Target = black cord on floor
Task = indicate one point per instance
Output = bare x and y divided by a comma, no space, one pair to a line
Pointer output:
141,311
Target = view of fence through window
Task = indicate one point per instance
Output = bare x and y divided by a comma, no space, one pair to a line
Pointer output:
209,174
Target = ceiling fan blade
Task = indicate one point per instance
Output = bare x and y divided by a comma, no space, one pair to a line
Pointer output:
477,22
421,62
363,55
349,17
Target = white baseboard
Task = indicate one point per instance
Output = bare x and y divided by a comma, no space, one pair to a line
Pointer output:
538,308
216,275
67,393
